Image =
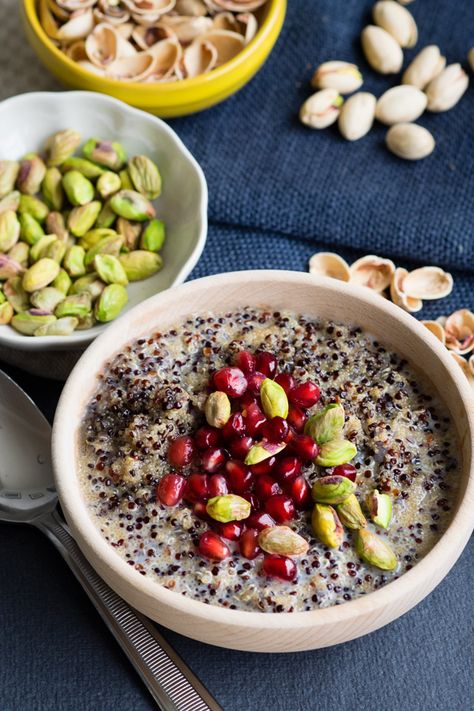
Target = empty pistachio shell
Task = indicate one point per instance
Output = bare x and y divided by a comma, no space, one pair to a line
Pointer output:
398,295
399,104
111,302
397,20
333,489
327,526
274,399
140,264
61,327
357,116
34,207
90,284
107,153
81,165
94,236
330,265
9,267
9,230
6,313
10,202
342,76
42,273
217,409
55,225
282,540
327,424
321,109
459,331
467,367
74,261
31,174
30,229
74,305
38,250
125,181
132,205
428,283
61,146
153,236
424,67
8,175
15,294
52,189
436,329
20,252
47,299
373,550
409,141
228,507
110,269
78,189
350,513
108,184
82,218
372,272
382,51
107,245
380,508
336,452
27,322
145,176
62,282
445,90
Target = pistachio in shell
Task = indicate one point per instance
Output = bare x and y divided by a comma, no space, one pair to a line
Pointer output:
410,141
76,305
30,229
82,218
327,424
27,322
31,174
357,116
8,174
110,269
333,489
374,551
327,526
381,50
228,507
274,399
153,236
61,145
321,109
397,21
447,88
145,176
132,205
140,264
342,76
335,452
52,189
79,190
424,67
108,154
110,303
64,326
9,230
350,513
73,261
217,409
41,274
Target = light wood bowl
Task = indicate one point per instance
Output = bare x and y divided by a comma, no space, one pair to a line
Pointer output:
257,631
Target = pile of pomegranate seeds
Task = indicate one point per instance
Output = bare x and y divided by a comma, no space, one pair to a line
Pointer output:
215,461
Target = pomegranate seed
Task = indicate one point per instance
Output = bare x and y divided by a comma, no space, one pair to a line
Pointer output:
218,485
234,426
347,470
245,361
207,437
254,420
231,530
287,469
280,507
230,381
213,459
264,467
212,546
286,381
199,510
276,430
240,446
260,520
247,400
181,451
255,382
304,446
197,488
239,476
254,501
296,418
266,363
300,492
305,395
170,489
265,487
279,566
248,544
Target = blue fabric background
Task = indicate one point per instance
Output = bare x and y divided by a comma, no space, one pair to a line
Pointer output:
279,192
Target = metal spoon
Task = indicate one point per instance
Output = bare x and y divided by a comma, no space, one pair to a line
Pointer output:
27,495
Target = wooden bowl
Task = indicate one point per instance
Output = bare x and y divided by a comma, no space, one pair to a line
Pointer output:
257,631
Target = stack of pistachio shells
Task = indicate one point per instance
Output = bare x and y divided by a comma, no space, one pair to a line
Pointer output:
74,231
427,83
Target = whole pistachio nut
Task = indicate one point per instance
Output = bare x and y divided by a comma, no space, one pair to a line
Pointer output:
9,267
76,305
34,207
20,252
31,174
52,189
263,450
10,202
6,313
55,225
94,236
82,218
15,294
107,245
335,452
145,176
350,513
9,230
46,299
30,229
61,145
326,526
424,67
153,236
86,167
274,399
8,175
132,205
380,508
90,284
357,116
62,282
409,141
342,76
41,274
126,183
61,327
56,250
108,184
106,217
382,51
110,303
445,90
38,250
327,424
373,550
110,269
106,153
397,21
79,190
333,489
140,264
282,540
27,322
321,109
217,409
74,261
228,507
404,103
131,234
86,322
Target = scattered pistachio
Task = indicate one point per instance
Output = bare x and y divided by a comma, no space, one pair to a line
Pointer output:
110,303
263,450
342,76
446,89
140,264
382,51
126,183
436,329
274,399
327,526
397,21
217,409
106,216
399,104
380,508
424,67
350,513
326,425
333,489
428,283
357,116
459,331
330,265
282,540
228,507
321,109
372,272
398,295
410,141
94,236
373,550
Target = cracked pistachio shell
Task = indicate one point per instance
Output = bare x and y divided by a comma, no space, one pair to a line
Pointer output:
381,50
9,230
132,205
217,409
30,229
282,540
380,508
34,207
107,245
459,331
94,236
8,175
357,116
409,141
110,303
62,282
79,190
327,424
445,90
31,174
404,103
73,261
145,176
350,513
397,21
61,327
46,299
10,202
342,76
52,189
86,167
9,267
55,225
274,399
140,264
126,183
108,154
329,264
398,295
321,109
108,184
373,550
428,283
327,526
153,236
228,507
110,269
372,272
263,450
333,489
61,145
15,294
38,250
106,217
20,252
424,67
76,305
82,218
436,329
131,234
336,452
42,273
6,313
27,322
90,284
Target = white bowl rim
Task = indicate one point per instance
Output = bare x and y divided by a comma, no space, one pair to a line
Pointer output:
80,339
453,539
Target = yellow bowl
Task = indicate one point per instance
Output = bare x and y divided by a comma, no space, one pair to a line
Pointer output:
168,98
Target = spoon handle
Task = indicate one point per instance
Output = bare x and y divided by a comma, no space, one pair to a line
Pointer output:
169,680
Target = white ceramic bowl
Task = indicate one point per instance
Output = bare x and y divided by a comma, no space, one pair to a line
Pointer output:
27,120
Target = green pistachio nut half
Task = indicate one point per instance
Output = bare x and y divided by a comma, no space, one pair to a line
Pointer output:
10,202
61,145
30,229
335,452
108,184
81,219
217,409
132,205
327,526
52,189
34,207
9,267
94,236
31,174
15,294
140,264
107,245
228,507
282,540
274,399
20,252
380,508
41,274
74,261
61,327
56,225
8,174
350,513
106,217
109,154
110,269
130,232
76,305
62,282
47,299
27,322
79,190
327,424
38,250
85,167
90,284
145,176
153,236
110,303
332,489
9,230
6,313
373,550
263,450
126,183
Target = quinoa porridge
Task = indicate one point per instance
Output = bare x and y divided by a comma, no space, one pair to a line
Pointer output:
159,479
